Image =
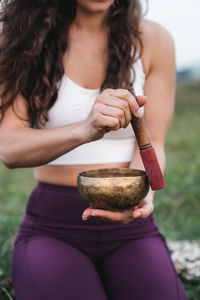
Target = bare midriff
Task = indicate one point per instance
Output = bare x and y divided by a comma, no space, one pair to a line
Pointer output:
67,175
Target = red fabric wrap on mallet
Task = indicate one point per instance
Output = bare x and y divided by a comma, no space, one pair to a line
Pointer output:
147,152
152,169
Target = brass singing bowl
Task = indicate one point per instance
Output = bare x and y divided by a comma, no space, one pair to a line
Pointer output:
114,188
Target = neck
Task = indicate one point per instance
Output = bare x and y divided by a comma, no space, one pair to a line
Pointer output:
90,21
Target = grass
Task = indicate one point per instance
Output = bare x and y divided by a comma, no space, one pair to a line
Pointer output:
177,207
14,188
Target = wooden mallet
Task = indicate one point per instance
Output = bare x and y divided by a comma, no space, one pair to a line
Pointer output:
147,151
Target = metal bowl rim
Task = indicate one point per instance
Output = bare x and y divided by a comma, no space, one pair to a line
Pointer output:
82,174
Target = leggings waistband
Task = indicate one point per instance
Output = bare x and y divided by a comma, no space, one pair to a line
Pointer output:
56,211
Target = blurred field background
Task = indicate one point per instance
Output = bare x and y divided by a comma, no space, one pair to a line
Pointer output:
177,207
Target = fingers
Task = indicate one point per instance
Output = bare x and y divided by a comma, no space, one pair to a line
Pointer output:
124,216
143,210
121,105
141,100
115,112
107,123
134,104
112,110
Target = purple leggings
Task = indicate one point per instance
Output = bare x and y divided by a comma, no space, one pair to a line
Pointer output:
57,256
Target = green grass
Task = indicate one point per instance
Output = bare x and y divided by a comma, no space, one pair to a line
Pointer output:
177,207
15,186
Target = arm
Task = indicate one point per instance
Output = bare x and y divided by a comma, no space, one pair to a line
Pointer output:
160,89
21,146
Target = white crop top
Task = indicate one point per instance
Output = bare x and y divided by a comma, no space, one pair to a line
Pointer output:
73,104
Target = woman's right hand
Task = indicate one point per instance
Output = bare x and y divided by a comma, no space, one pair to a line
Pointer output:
111,111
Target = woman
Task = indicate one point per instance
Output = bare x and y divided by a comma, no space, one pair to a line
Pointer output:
65,108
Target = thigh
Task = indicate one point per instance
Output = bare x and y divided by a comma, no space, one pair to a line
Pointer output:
45,268
142,269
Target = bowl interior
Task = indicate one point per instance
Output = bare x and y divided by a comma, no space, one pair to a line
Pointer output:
112,172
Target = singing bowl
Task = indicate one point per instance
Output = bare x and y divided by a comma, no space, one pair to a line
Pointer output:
113,188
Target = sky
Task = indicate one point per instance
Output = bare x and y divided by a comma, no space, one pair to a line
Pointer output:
182,19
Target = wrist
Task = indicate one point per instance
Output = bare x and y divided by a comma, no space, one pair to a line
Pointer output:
150,195
82,132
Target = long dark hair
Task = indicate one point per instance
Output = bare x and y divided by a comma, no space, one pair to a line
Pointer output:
33,39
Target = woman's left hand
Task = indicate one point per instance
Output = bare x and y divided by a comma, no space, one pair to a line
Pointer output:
143,210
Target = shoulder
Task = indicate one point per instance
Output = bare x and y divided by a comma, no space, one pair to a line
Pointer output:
153,30
158,44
